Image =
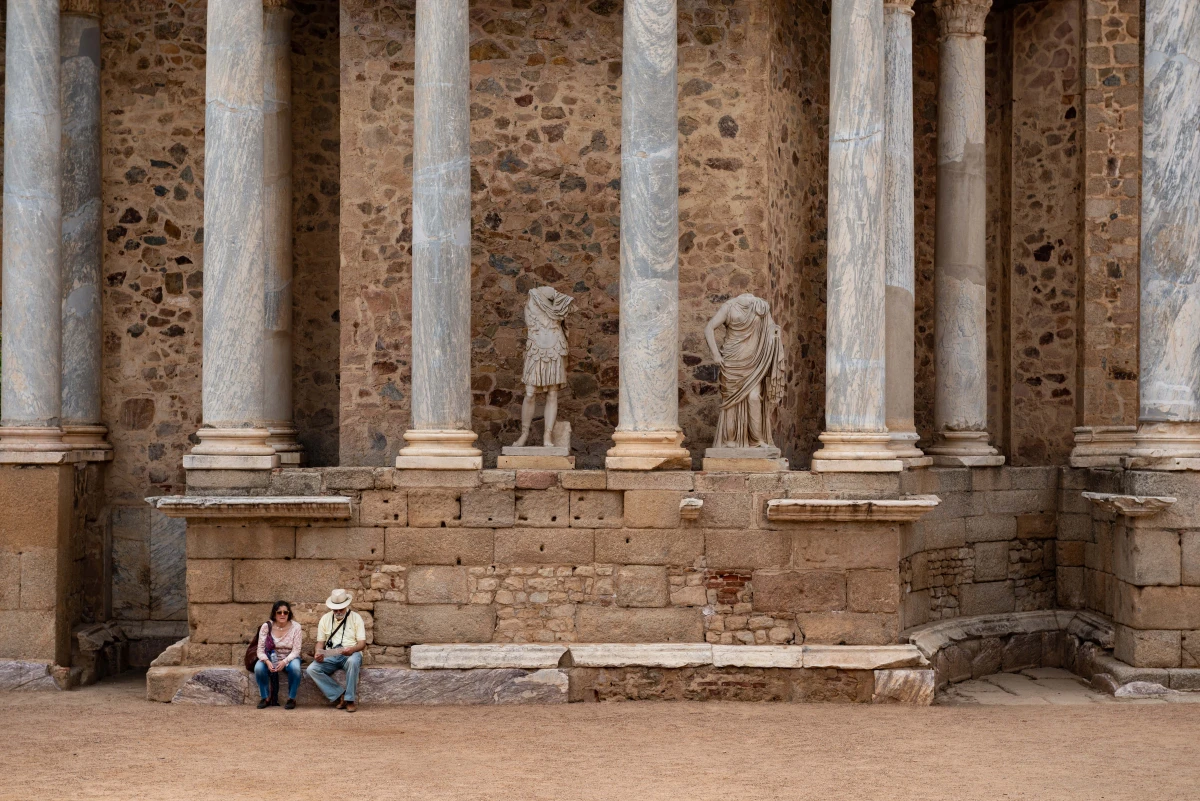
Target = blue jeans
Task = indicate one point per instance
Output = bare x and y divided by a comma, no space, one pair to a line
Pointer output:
322,674
268,681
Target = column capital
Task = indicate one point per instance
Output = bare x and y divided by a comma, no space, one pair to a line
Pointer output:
273,4
898,6
89,8
961,17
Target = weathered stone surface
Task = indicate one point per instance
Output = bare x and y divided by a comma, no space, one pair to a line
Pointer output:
847,547
365,544
913,687
1146,557
758,656
991,561
1155,649
1157,607
799,591
848,628
401,624
383,508
240,542
548,508
597,509
987,598
540,546
430,584
214,687
25,676
747,549
501,655
164,681
428,546
380,685
226,623
434,508
649,546
861,657
652,509
607,625
648,655
488,507
300,580
210,581
872,590
642,586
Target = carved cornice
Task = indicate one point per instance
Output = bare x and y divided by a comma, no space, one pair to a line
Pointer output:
961,17
89,7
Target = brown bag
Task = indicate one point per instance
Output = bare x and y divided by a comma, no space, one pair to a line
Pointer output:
252,649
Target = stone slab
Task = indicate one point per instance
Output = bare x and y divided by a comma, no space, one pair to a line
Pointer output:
536,462
18,676
281,506
770,452
660,655
439,462
968,461
857,466
498,655
462,687
194,461
510,450
758,656
914,687
747,465
214,687
862,657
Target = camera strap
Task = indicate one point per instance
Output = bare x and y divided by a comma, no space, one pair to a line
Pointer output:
340,626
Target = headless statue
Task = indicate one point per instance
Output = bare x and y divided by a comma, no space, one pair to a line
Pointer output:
753,371
545,359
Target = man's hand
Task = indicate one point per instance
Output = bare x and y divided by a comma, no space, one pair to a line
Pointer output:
338,652
319,656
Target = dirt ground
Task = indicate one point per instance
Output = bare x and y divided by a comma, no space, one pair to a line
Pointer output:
106,742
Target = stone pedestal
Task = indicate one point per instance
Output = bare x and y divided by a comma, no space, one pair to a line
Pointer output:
1168,436
648,435
441,436
234,436
1102,446
960,277
31,390
856,435
554,455
744,460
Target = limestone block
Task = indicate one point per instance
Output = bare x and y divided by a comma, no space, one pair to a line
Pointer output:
758,656
1155,649
524,546
989,528
240,542
1067,554
172,656
1183,485
1190,647
163,682
31,498
383,508
991,561
799,591
642,586
680,480
596,509
1037,526
726,510
583,480
535,479
20,676
39,578
1146,557
214,687
848,628
548,508
443,479
654,655
332,542
497,655
10,579
649,546
349,478
299,581
425,546
1157,607
606,624
939,534
488,508
195,653
386,685
1190,557
210,581
652,508
986,598
131,570
401,624
746,550
1021,652
861,657
873,590
1069,587
296,482
226,623
847,547
433,584
430,508
689,596
915,687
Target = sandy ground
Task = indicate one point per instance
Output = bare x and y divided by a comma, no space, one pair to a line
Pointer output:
106,742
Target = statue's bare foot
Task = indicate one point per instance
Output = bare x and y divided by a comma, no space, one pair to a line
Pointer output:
520,443
760,444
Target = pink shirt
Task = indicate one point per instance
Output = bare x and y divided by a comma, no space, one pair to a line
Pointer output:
287,647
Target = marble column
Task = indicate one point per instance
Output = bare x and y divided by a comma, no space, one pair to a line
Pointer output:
856,435
648,436
31,401
441,435
82,249
277,231
960,263
899,233
1168,436
233,435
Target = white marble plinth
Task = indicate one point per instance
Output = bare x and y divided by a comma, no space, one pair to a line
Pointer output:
648,450
535,458
756,465
855,452
964,449
1102,446
440,450
1165,446
232,449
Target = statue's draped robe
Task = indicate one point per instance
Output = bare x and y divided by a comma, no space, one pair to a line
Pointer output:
754,357
546,345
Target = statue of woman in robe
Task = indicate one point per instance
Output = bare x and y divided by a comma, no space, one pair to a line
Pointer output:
545,358
753,371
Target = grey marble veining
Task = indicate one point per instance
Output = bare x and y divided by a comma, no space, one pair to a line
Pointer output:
81,223
1170,260
649,333
441,268
855,348
168,567
899,214
233,216
32,346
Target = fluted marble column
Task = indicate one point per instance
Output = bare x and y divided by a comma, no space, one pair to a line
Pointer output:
81,228
233,435
277,230
856,435
1168,436
899,241
31,401
648,436
441,435
960,265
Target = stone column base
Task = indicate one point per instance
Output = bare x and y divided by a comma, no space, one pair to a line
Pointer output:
232,449
1102,446
648,450
34,445
89,442
281,437
440,450
904,445
1165,446
855,452
964,449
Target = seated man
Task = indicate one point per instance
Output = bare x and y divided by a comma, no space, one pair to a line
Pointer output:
341,638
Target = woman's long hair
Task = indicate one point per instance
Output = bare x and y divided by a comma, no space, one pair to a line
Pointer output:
281,605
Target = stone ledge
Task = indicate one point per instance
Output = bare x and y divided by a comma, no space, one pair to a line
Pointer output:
662,655
933,637
900,510
329,507
20,676
500,655
1130,505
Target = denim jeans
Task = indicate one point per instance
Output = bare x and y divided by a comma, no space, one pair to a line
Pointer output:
322,674
268,681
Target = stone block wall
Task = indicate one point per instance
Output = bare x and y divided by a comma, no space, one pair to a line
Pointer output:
989,547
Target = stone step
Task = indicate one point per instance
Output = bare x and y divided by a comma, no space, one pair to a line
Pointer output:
499,655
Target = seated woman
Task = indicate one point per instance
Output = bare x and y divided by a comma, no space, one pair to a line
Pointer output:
279,642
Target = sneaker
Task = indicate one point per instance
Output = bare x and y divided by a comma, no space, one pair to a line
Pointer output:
291,704
262,703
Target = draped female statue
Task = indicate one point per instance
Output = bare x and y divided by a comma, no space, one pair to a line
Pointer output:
753,372
545,359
